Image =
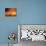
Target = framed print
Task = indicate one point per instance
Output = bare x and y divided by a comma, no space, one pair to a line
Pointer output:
10,11
32,32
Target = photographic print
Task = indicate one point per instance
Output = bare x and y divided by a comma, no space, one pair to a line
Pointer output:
33,32
10,11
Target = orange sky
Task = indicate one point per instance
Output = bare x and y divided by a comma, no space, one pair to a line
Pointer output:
11,12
